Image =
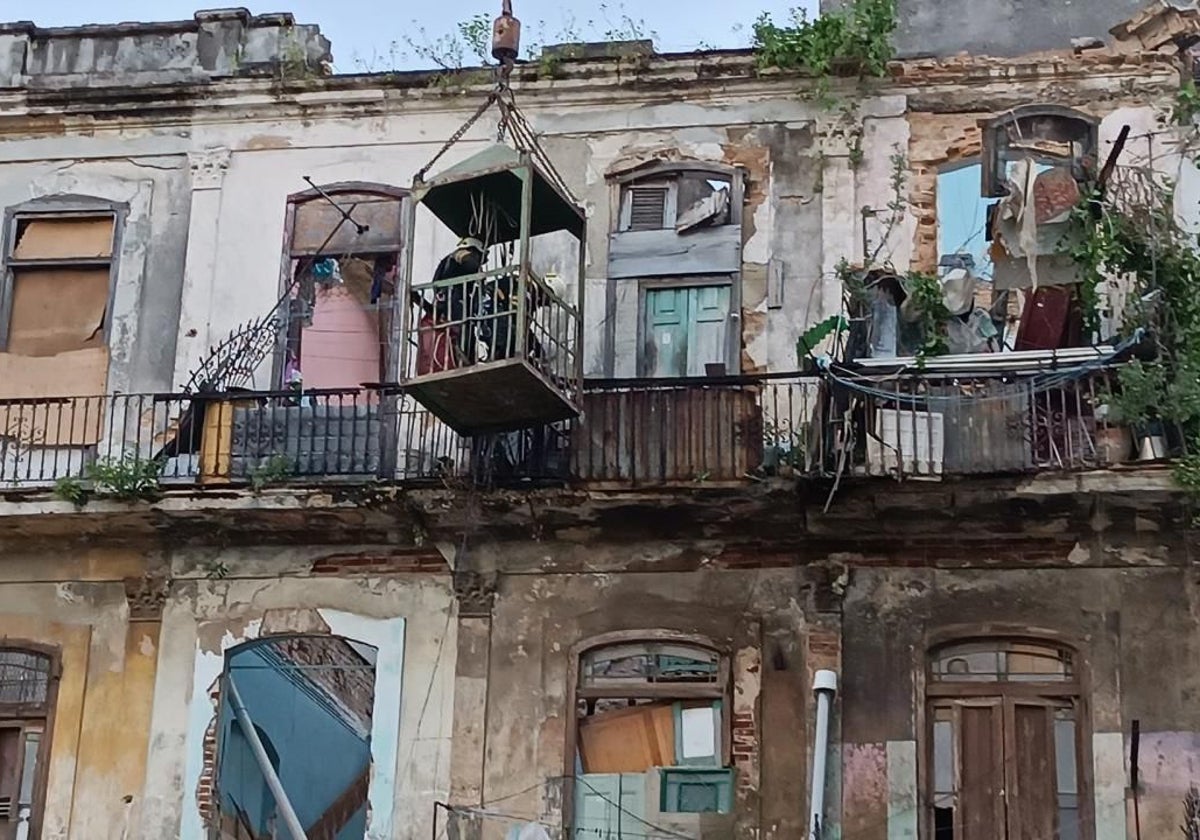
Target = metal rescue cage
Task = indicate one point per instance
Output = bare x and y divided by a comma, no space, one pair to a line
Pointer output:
497,350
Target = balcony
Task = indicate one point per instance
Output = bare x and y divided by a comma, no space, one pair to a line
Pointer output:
707,432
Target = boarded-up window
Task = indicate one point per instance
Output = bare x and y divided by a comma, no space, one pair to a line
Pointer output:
59,271
1004,743
26,696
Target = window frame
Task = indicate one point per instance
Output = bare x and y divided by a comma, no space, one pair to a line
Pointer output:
994,176
289,257
44,714
659,173
721,690
50,208
930,693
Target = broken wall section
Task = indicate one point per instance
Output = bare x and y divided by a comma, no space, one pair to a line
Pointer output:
406,620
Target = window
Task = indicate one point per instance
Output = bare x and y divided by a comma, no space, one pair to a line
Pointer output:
650,715
298,707
677,233
341,279
1046,134
1005,739
27,683
682,201
58,280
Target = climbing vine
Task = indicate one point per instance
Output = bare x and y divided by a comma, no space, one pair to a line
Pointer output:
1132,229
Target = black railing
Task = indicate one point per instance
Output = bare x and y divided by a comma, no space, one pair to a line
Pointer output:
632,433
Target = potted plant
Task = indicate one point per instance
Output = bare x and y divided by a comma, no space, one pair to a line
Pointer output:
1139,402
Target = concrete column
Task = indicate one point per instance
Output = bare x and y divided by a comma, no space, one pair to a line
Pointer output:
195,311
475,594
840,215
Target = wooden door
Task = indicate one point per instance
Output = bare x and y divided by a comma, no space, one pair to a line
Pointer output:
708,307
685,329
1016,771
981,772
665,336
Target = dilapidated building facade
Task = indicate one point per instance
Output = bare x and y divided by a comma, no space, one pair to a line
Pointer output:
242,564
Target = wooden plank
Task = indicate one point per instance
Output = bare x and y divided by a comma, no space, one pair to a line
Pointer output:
665,253
77,421
65,238
317,219
57,310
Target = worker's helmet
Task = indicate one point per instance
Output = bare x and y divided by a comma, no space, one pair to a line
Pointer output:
470,243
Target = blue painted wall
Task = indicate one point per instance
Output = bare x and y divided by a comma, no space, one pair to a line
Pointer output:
319,755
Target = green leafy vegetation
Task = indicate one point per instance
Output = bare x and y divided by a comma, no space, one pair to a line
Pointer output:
926,292
126,479
275,470
1133,230
853,40
460,52
71,490
1187,104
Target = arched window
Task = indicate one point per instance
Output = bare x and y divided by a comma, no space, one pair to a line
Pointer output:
343,251
1048,134
650,717
27,683
1006,741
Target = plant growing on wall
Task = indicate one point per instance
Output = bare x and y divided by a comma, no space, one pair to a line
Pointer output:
128,478
469,44
1191,815
1132,229
855,40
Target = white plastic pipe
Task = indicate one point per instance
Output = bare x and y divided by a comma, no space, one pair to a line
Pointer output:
264,763
825,688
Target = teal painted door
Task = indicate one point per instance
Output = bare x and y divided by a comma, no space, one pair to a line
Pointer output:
684,330
597,815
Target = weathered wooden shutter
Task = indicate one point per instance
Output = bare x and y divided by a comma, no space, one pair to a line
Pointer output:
647,208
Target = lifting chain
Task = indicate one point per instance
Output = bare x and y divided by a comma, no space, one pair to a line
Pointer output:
511,123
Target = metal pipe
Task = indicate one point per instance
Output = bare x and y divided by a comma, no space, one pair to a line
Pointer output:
824,687
264,763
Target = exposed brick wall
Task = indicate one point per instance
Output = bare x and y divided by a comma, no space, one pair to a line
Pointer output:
206,789
354,687
936,140
744,726
376,563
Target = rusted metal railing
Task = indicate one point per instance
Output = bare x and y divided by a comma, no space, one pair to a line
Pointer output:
633,433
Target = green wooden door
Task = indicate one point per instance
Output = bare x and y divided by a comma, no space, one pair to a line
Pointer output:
684,329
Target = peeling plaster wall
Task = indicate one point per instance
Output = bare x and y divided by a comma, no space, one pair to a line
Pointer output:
204,245
153,241
96,767
1136,631
758,618
408,618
